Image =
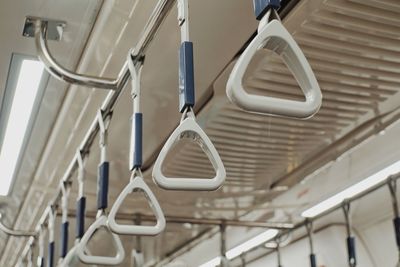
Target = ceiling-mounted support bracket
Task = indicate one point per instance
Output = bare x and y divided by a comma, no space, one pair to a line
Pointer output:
55,28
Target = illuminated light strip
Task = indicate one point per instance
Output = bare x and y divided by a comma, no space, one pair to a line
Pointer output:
18,120
352,191
244,247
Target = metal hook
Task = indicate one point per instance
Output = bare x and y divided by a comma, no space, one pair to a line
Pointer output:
222,228
81,174
351,246
136,73
309,227
278,241
392,183
346,211
103,125
65,191
183,19
136,142
40,258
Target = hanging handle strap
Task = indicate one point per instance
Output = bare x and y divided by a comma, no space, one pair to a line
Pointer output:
278,250
273,35
29,256
350,240
392,183
40,259
50,226
136,182
186,62
313,258
81,201
102,204
136,144
188,127
104,166
65,189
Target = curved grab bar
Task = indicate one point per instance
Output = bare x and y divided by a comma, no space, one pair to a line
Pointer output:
189,128
62,73
16,233
273,36
137,183
101,222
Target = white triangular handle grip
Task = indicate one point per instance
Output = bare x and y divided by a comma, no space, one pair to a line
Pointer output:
101,260
137,259
275,37
71,258
134,185
190,126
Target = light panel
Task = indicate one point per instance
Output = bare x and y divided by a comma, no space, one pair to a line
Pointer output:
23,101
352,191
250,244
212,263
244,247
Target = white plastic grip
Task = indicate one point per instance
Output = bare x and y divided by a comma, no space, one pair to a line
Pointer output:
101,260
71,259
190,126
134,185
137,259
274,36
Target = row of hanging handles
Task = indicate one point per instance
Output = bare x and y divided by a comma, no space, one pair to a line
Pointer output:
271,35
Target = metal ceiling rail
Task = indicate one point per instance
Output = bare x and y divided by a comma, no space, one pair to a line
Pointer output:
156,19
197,221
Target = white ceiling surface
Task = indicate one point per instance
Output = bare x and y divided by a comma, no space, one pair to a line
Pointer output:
352,46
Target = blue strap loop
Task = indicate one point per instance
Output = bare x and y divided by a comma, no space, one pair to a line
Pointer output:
186,77
351,250
313,260
137,142
50,262
64,239
80,217
102,189
262,6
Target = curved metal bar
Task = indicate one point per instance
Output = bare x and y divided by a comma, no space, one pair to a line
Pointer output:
61,73
16,233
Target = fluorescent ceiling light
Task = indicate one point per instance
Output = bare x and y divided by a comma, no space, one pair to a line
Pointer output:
252,243
352,191
212,263
244,247
25,93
